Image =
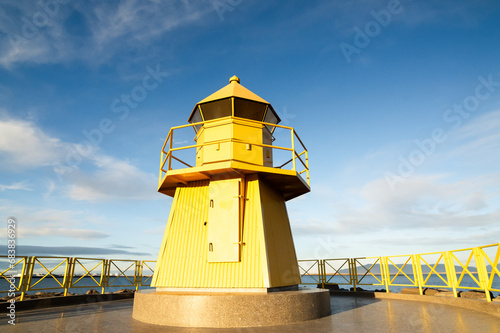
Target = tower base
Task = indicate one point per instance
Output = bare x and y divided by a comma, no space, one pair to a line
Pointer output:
204,309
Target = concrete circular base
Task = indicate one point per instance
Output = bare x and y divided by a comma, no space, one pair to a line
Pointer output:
193,309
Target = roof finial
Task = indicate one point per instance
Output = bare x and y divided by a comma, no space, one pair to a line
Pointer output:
234,78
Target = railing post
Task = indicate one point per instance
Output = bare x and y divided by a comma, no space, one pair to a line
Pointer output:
323,269
354,273
451,273
386,275
417,272
27,273
307,171
161,163
293,150
482,272
169,155
320,271
105,275
68,274
137,274
22,277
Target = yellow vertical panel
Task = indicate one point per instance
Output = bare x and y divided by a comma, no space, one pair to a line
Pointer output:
218,130
260,264
282,260
245,148
267,138
224,221
200,139
181,251
182,262
216,152
250,151
162,258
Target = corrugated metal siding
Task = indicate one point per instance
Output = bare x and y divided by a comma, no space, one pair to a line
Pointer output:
182,262
282,260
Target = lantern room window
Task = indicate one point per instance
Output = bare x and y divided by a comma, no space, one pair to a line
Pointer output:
216,109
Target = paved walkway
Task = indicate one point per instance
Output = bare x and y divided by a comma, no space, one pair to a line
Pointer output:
349,314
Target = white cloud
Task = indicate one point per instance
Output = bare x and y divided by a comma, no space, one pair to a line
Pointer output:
24,146
420,203
114,179
35,222
452,199
16,186
477,139
95,32
63,232
51,186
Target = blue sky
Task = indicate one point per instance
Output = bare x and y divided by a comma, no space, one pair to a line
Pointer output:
398,103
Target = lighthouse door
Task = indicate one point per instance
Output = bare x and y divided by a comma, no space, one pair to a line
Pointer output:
224,221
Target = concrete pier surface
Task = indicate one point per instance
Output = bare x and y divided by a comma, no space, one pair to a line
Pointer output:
349,314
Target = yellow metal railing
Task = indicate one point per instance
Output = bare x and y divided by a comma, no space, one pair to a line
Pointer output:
77,281
168,150
333,267
64,273
478,265
450,268
145,267
312,269
9,276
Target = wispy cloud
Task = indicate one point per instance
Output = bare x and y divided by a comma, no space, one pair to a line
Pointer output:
63,232
114,179
96,32
478,139
16,186
454,193
36,221
117,246
24,146
30,250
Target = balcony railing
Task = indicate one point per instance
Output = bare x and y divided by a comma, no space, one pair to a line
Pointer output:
297,160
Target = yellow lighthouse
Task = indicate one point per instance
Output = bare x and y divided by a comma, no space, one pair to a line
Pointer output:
228,225
228,230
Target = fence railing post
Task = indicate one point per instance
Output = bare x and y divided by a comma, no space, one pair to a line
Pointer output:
26,276
354,273
68,274
417,272
105,275
386,275
482,272
451,273
323,265
137,277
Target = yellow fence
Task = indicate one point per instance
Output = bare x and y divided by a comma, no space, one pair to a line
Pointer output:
64,273
465,269
298,162
477,266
